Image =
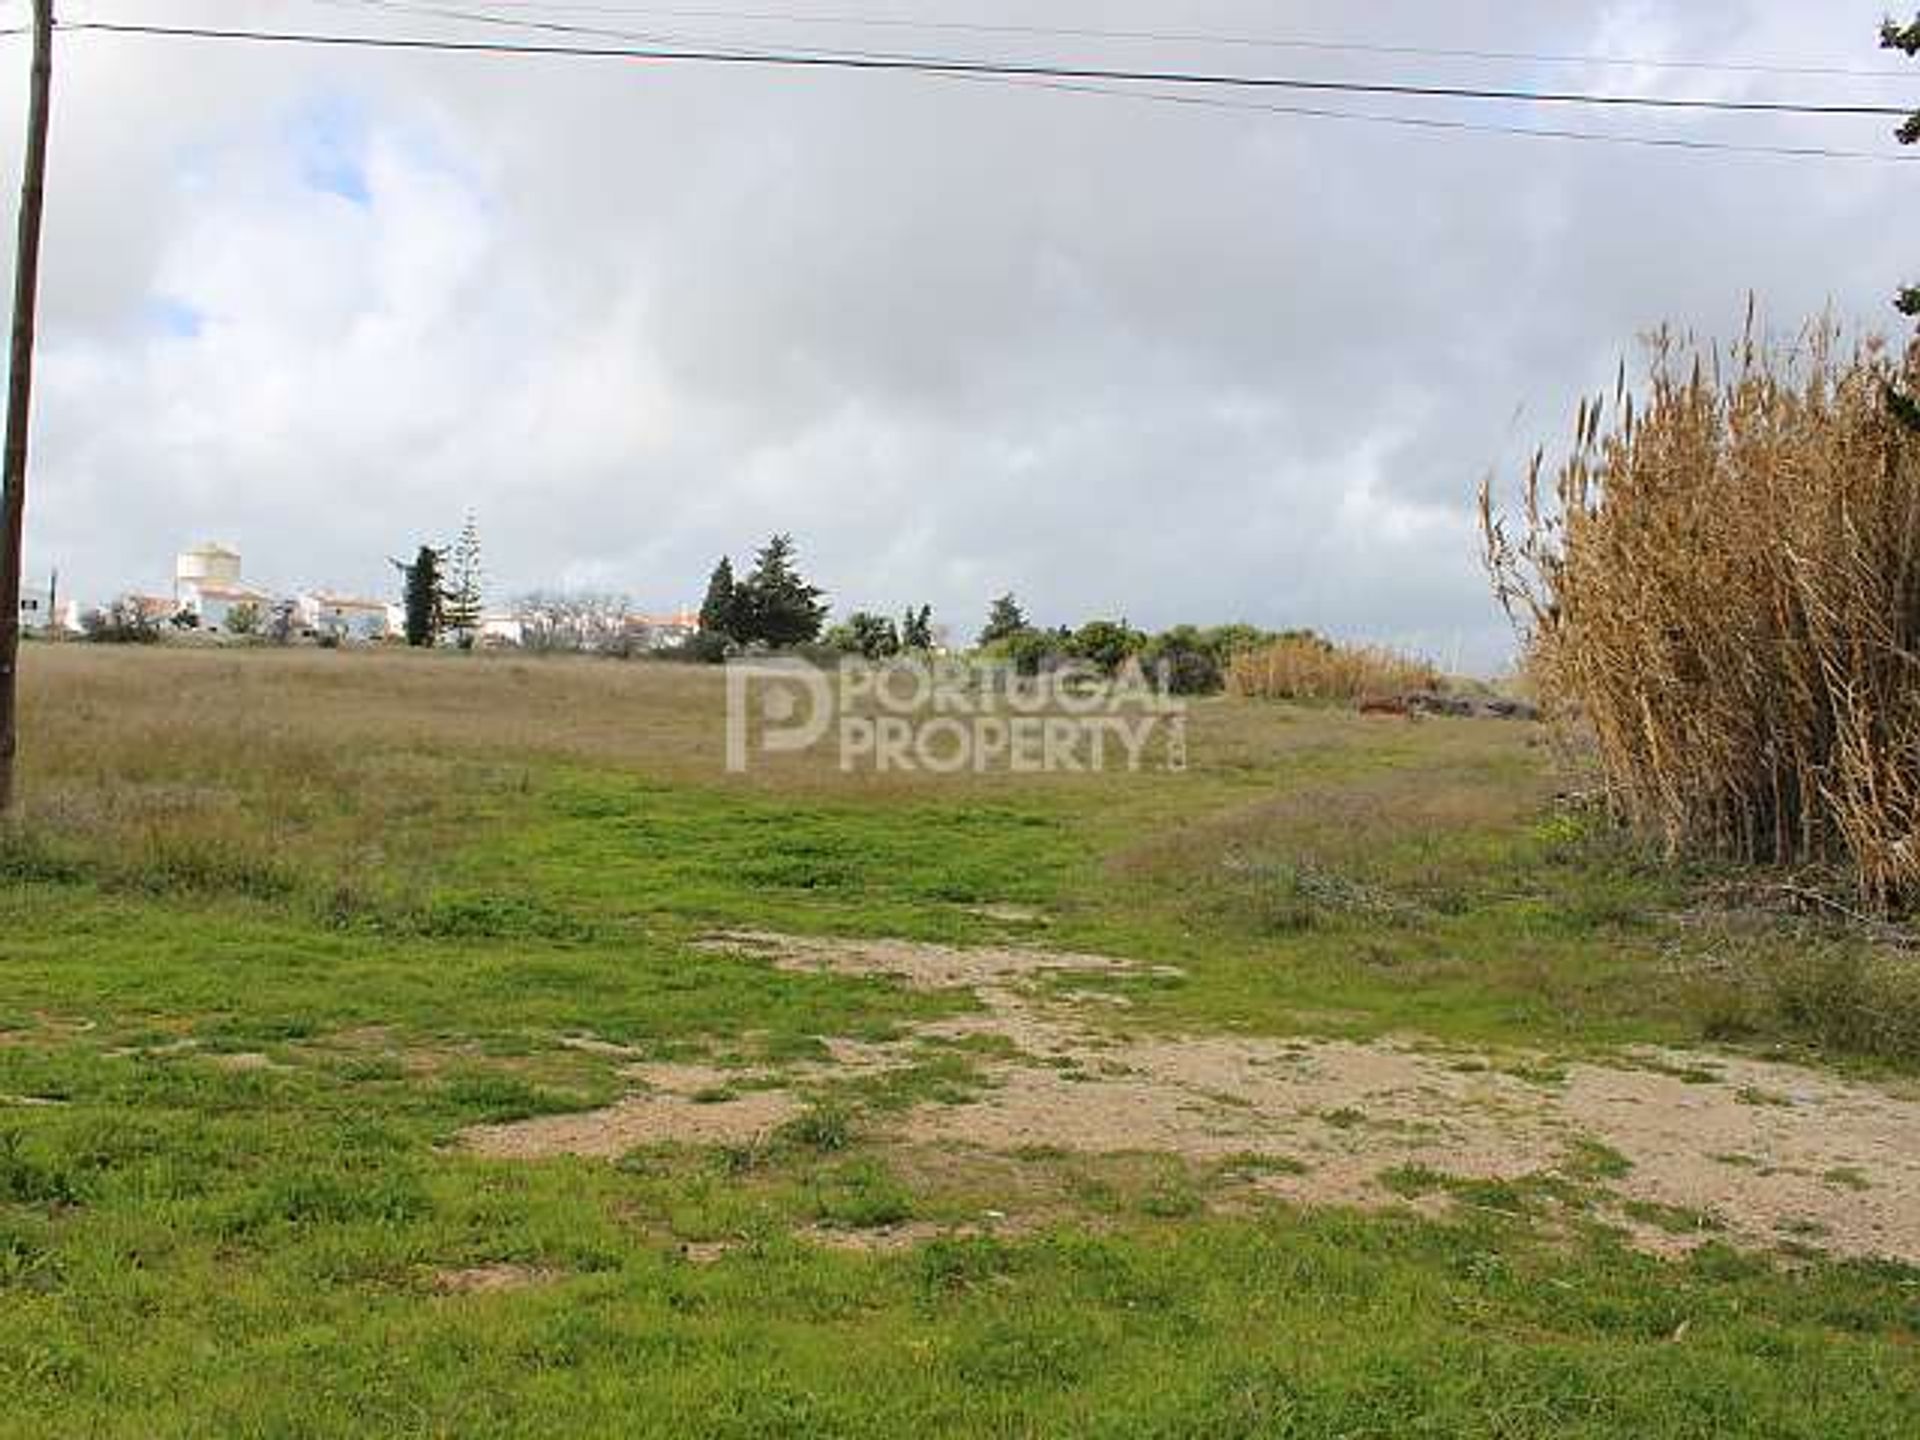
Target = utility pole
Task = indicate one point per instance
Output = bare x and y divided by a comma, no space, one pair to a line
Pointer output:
26,289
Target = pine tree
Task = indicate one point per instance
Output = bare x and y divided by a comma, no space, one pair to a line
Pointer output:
1004,620
1905,39
461,603
873,636
916,629
423,597
717,611
774,605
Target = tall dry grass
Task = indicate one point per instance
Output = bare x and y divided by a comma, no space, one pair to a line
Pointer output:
355,777
269,772
1307,667
1720,587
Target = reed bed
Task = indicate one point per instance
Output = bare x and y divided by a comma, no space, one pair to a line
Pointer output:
1719,590
1308,667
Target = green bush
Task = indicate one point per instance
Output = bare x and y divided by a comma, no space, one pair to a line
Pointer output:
863,633
702,648
1107,644
1183,662
1031,651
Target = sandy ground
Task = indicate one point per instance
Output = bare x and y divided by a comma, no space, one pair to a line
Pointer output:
491,1279
1759,1153
644,1118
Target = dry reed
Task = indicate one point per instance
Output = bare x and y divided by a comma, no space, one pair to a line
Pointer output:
1307,667
1721,595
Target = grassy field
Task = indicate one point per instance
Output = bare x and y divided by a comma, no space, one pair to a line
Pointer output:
280,926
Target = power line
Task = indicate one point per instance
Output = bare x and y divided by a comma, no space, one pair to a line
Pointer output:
1427,123
485,17
1175,37
488,16
1005,69
1432,123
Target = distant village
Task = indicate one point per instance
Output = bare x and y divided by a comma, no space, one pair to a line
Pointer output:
212,598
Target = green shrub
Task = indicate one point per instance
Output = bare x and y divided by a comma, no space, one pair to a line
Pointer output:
1846,999
1183,662
1106,644
825,1127
701,648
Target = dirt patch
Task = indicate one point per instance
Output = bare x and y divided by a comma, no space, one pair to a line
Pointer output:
1757,1152
384,1043
1771,1152
493,1279
886,1240
1006,914
1674,1147
920,967
912,1234
594,1045
684,1104
243,1061
692,1081
866,1056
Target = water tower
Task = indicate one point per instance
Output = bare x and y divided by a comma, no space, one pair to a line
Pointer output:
207,564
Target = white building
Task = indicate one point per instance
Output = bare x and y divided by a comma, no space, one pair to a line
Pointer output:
344,617
207,585
662,632
501,627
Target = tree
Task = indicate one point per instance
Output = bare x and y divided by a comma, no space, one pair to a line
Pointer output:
1005,619
873,636
243,619
1905,39
1187,660
422,596
718,610
1107,644
460,603
121,623
1033,652
774,605
916,629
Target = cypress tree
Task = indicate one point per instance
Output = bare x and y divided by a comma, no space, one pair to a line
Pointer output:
717,611
423,598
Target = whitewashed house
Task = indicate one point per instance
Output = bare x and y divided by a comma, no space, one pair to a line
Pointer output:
662,632
501,627
344,617
207,585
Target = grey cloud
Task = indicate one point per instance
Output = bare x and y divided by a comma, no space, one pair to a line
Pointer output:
1121,356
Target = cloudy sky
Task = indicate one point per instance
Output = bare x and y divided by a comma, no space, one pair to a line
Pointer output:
1121,356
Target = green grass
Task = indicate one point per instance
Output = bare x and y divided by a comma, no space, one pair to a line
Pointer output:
254,983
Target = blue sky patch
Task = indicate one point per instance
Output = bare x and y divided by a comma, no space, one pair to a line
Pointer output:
173,317
329,141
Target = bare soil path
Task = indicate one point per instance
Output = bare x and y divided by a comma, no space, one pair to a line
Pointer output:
1675,1147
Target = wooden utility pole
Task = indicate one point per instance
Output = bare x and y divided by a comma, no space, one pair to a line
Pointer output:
26,289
